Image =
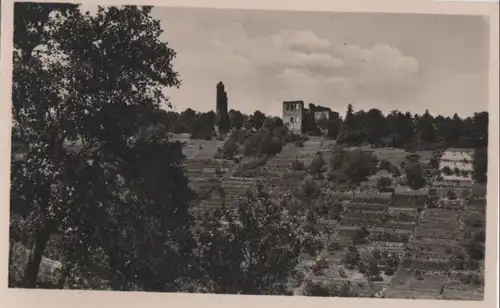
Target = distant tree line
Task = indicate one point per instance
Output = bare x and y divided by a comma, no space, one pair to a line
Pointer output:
414,132
396,129
201,125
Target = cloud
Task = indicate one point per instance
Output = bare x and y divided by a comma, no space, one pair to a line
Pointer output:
262,70
304,40
381,64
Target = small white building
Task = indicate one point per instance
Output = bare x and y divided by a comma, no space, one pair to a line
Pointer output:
457,160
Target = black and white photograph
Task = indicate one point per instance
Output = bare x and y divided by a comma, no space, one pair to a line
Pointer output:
249,152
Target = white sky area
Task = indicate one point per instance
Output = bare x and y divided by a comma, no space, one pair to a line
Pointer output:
385,61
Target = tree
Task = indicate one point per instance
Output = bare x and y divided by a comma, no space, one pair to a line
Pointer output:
88,160
375,125
434,161
400,127
383,183
359,165
479,126
317,165
237,119
360,235
373,269
261,248
332,127
270,146
257,119
230,148
203,126
352,256
480,164
425,128
414,174
308,190
297,165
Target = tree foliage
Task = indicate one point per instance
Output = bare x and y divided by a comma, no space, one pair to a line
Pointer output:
404,130
261,247
352,167
480,164
90,169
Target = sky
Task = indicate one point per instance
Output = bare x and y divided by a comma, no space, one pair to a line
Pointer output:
407,62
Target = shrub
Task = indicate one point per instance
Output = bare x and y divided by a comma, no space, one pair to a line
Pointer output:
383,183
230,148
309,189
317,165
297,165
270,146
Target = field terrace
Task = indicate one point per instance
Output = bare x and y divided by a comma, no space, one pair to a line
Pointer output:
312,146
334,272
387,227
272,173
369,210
210,176
460,286
434,245
476,204
226,191
441,189
393,155
196,149
200,157
413,285
372,181
405,200
438,223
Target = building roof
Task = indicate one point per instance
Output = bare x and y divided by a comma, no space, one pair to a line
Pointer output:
321,108
450,155
294,102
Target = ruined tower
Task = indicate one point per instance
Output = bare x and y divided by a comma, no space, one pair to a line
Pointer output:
293,115
222,124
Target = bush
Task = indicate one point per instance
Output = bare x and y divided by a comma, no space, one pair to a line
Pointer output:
309,189
317,165
383,183
230,148
270,146
297,165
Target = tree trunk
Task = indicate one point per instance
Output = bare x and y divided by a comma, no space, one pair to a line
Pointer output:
36,253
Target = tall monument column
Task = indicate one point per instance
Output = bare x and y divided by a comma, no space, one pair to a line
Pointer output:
222,115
